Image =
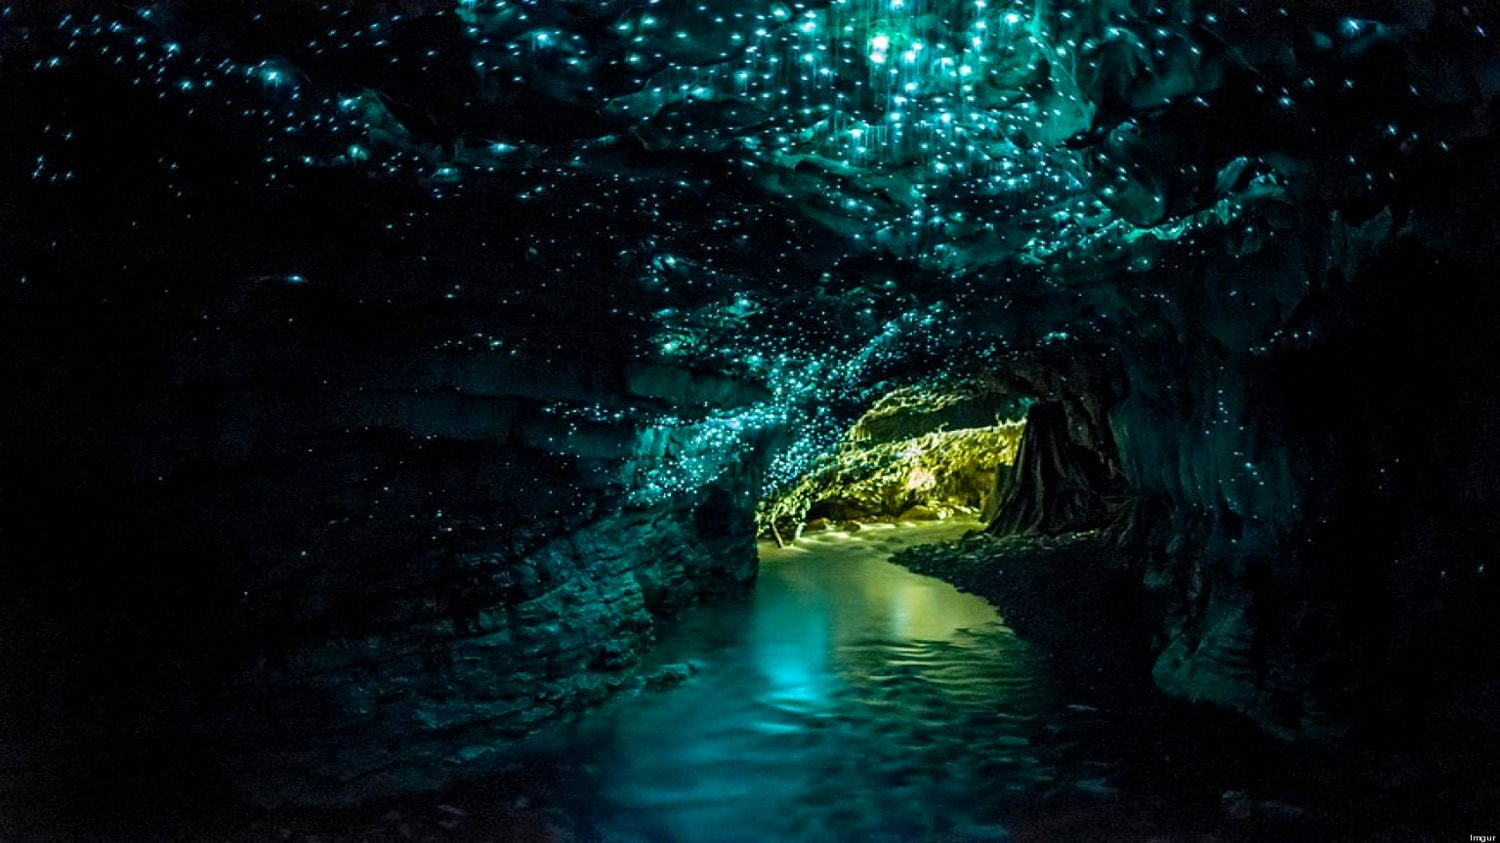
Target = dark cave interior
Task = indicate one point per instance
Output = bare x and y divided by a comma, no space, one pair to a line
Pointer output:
383,381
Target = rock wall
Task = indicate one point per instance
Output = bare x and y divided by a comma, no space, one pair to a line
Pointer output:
1307,408
440,690
1311,505
326,561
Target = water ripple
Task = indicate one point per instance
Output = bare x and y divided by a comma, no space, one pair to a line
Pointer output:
852,700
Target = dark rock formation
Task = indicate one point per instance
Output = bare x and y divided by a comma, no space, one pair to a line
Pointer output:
333,566
1051,488
547,634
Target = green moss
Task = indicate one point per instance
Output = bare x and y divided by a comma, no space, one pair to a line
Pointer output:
930,475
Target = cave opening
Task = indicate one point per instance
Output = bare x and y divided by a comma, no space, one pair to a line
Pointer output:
921,453
1024,447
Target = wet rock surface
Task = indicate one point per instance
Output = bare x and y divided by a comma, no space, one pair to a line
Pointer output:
1074,594
1184,771
342,578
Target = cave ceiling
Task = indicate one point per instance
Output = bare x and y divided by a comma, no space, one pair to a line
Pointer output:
818,196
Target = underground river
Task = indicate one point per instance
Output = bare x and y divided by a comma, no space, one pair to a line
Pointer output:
847,698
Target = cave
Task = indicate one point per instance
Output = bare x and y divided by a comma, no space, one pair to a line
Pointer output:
835,419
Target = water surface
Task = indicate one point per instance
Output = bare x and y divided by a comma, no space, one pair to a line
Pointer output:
847,698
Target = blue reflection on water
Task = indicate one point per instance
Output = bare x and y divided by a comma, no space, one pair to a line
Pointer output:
848,698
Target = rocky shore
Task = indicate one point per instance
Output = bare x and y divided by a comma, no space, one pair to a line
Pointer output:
1074,595
1154,767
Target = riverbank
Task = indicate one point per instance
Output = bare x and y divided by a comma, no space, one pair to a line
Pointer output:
1169,769
1075,595
848,699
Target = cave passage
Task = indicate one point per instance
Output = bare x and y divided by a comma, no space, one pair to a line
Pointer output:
846,699
923,453
386,384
